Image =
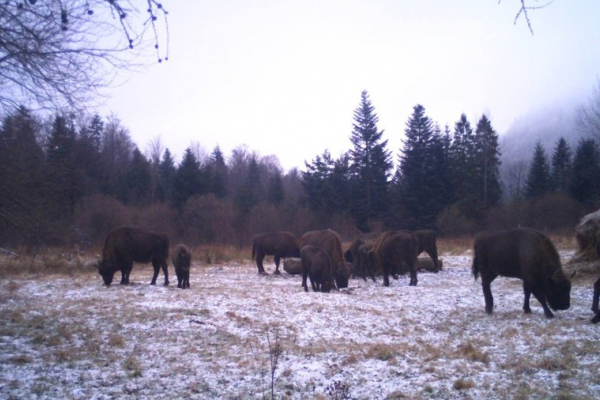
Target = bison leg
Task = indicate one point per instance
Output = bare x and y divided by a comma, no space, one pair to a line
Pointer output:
165,268
413,275
527,292
186,280
304,276
125,271
260,256
596,297
487,295
541,297
434,257
277,259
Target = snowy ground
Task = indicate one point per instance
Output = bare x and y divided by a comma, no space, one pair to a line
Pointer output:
70,337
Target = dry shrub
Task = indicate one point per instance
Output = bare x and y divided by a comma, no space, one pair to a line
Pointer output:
98,214
382,352
132,366
470,352
21,359
452,222
454,245
463,384
206,219
116,340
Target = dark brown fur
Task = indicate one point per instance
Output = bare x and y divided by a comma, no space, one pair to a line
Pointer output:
278,244
428,243
526,254
596,297
182,259
124,246
318,266
358,255
391,251
330,241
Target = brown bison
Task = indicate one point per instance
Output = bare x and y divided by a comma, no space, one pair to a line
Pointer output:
596,297
427,243
181,261
278,244
391,251
124,246
526,254
358,255
330,241
318,266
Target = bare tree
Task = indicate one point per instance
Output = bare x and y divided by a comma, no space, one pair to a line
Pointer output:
525,8
57,54
588,117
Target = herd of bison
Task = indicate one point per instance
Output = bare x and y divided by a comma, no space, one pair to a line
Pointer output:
521,253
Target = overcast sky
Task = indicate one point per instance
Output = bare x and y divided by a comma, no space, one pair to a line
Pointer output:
284,77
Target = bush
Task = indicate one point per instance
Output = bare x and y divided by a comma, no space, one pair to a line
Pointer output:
452,222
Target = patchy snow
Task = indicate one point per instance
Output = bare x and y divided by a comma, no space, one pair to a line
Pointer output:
70,337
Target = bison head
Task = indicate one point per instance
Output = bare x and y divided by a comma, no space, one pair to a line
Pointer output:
558,291
342,275
106,272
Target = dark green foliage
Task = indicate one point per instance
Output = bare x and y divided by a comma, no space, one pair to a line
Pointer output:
139,179
166,176
250,192
538,179
487,160
275,193
561,166
370,166
585,182
218,173
463,165
189,180
422,178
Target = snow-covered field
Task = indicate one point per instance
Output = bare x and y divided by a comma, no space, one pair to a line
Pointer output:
71,338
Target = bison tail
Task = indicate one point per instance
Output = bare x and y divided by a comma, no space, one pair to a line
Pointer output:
474,268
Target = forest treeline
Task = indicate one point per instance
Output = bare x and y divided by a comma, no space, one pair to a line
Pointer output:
67,182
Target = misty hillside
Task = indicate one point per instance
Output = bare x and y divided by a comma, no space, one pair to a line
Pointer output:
546,124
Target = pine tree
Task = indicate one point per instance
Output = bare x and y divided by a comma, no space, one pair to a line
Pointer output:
187,180
585,181
463,166
139,179
488,164
538,179
419,175
561,166
370,165
166,176
275,193
218,173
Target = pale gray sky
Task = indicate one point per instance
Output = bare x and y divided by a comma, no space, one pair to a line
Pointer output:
284,76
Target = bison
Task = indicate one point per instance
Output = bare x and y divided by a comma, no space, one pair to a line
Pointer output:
278,244
427,243
124,246
526,254
330,241
596,293
181,261
391,251
318,266
358,255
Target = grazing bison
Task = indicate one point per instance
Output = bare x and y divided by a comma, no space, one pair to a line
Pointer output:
427,243
358,255
392,249
318,266
596,293
330,241
181,260
278,244
526,254
124,246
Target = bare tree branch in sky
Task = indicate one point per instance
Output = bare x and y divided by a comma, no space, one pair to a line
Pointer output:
588,116
524,11
57,54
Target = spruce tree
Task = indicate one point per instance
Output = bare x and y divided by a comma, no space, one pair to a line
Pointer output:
585,181
275,192
561,166
488,164
463,166
250,191
166,176
538,178
370,165
419,175
139,179
187,181
219,173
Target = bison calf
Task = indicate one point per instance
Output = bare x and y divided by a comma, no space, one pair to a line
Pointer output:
526,254
181,260
317,265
